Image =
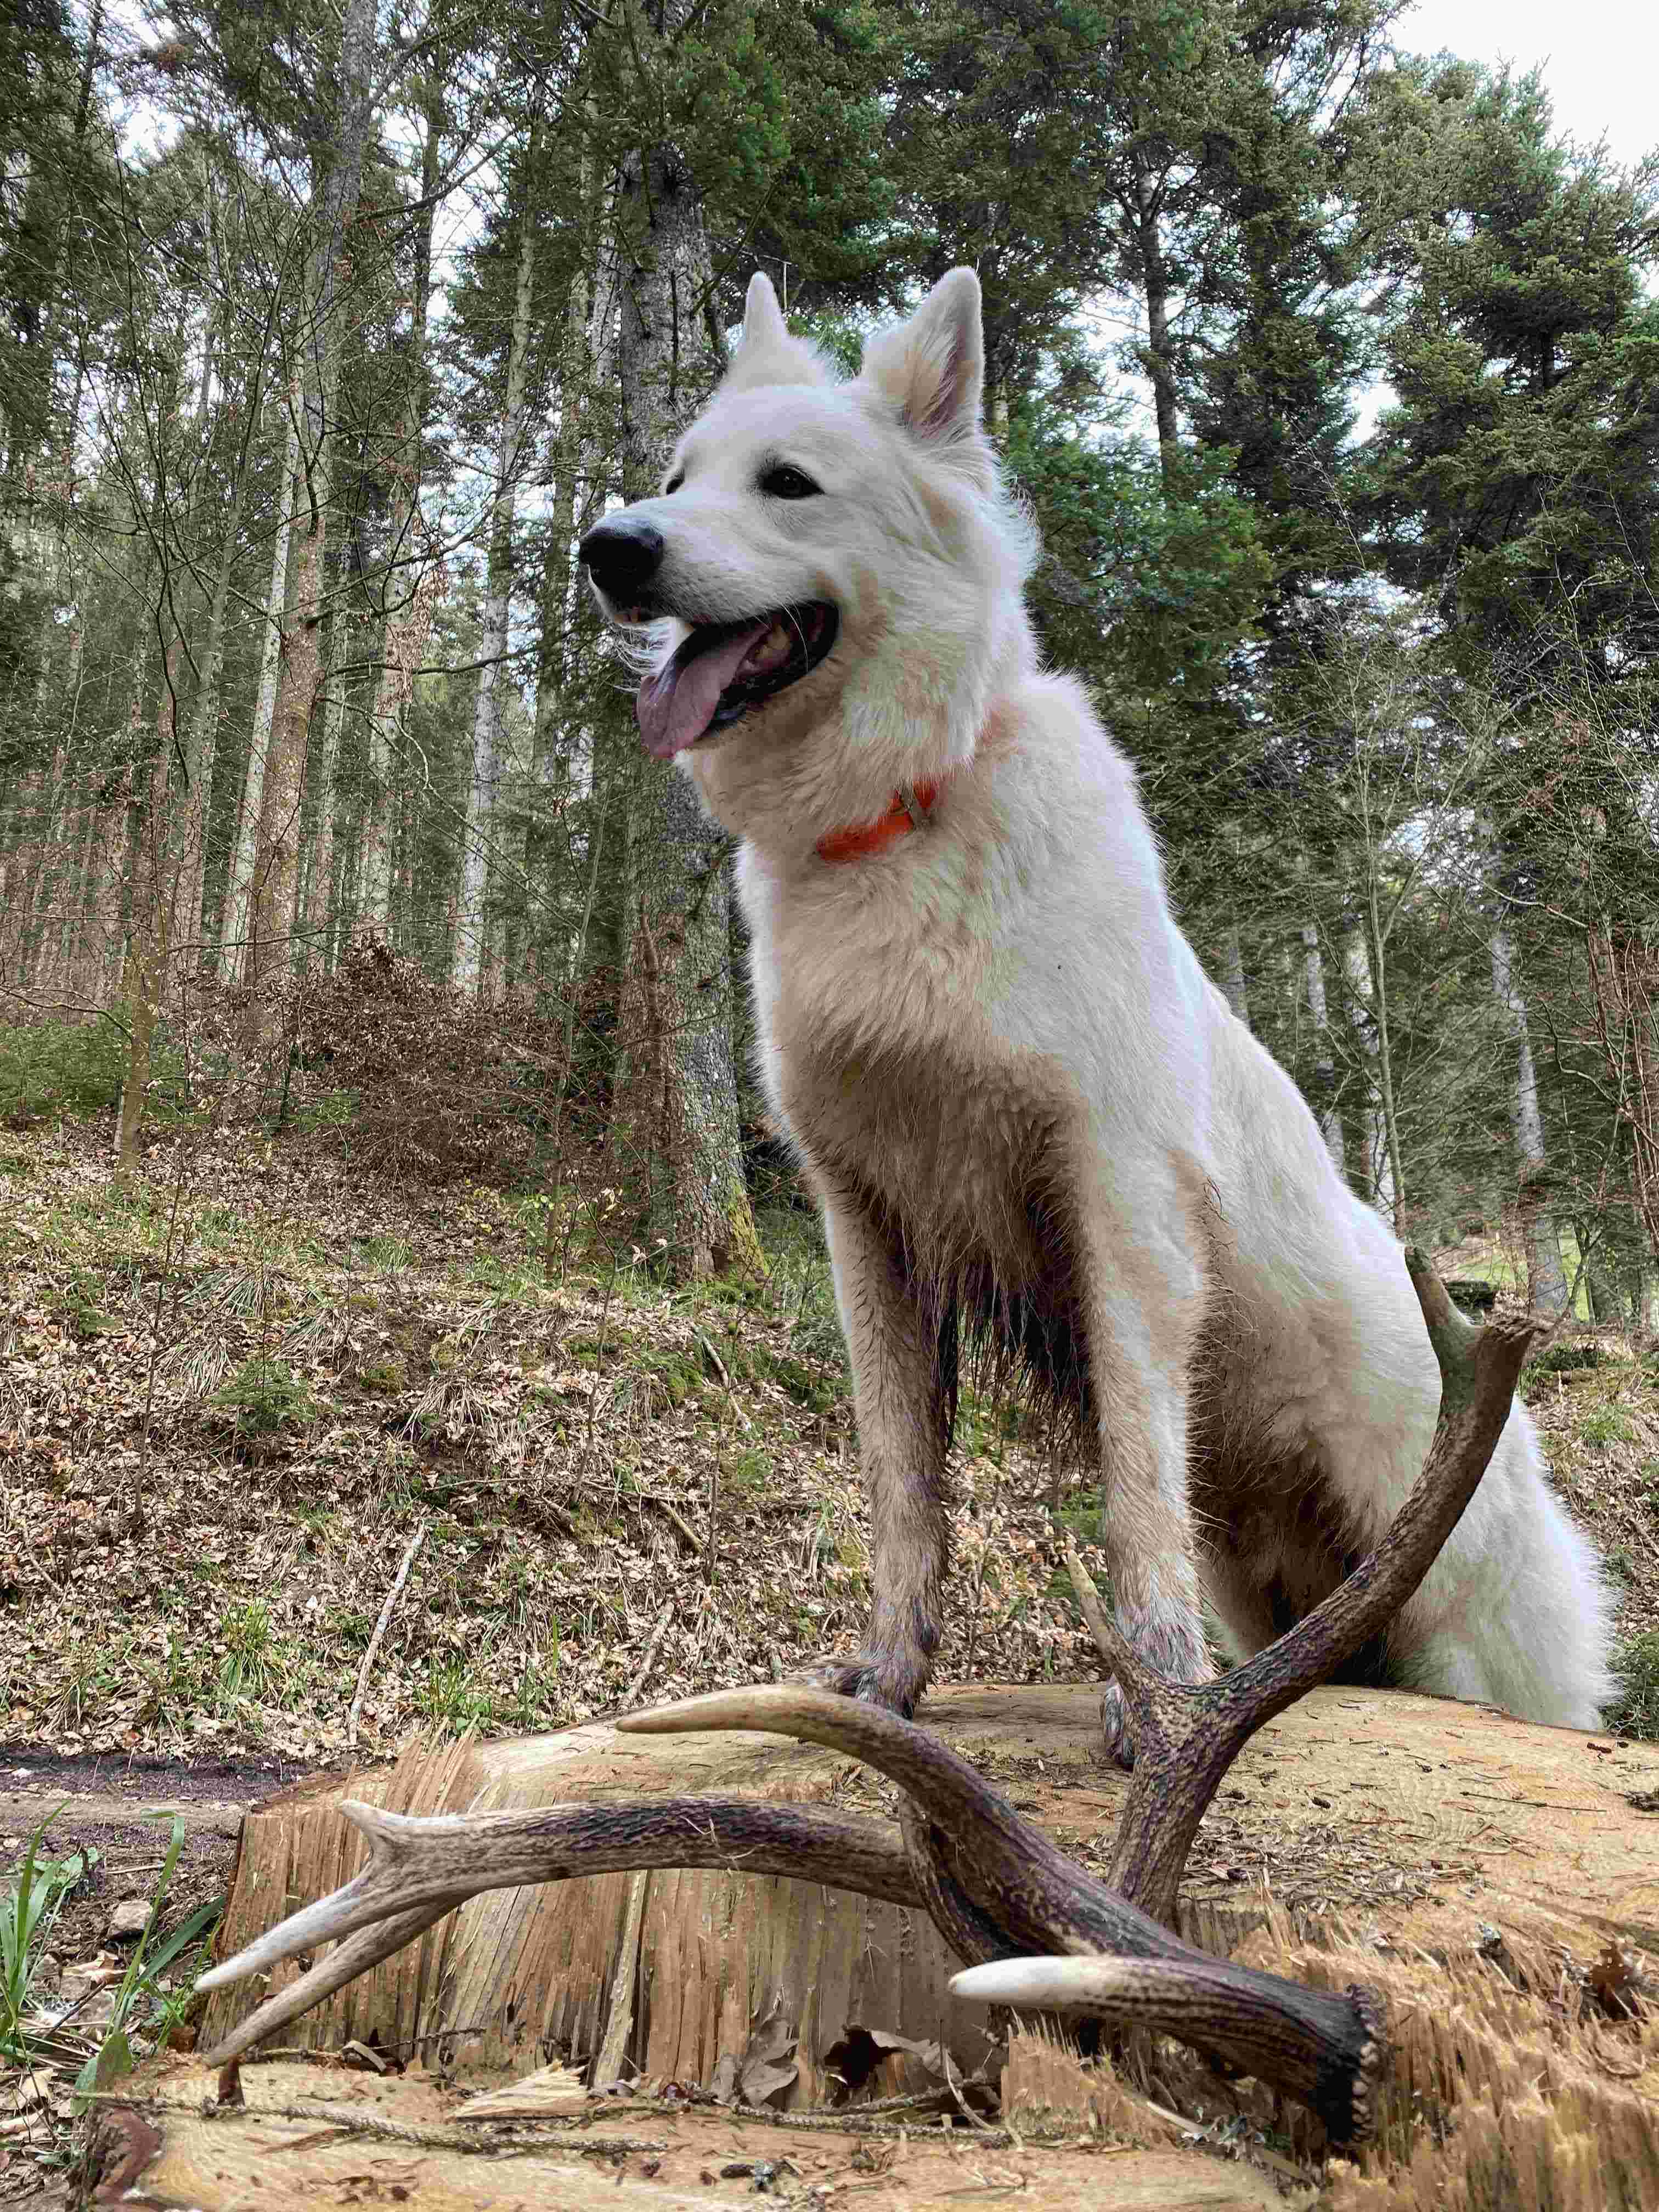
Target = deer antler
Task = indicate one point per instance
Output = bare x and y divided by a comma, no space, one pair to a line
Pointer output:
995,1886
1023,1890
421,1869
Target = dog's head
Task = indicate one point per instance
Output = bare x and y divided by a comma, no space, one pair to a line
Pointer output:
825,557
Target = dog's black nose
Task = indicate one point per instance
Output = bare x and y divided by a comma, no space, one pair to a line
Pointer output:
622,556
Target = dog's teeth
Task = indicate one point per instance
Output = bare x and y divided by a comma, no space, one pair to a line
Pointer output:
769,652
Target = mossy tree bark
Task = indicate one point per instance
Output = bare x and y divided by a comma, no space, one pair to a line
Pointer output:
675,1124
337,169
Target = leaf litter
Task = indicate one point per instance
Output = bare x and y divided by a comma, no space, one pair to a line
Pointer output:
217,1454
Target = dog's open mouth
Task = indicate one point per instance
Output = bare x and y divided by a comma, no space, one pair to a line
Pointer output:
724,669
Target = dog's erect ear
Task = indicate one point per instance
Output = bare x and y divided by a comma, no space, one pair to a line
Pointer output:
767,353
932,367
763,318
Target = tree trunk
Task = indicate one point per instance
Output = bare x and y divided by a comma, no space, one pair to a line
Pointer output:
539,962
334,206
149,940
1623,971
1326,1109
1377,1165
36,259
271,894
409,608
1233,985
1546,1285
676,1110
319,906
1154,276
472,968
1377,951
235,914
46,887
202,741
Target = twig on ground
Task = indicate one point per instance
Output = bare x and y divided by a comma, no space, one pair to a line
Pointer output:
676,1520
381,1626
141,1478
650,1660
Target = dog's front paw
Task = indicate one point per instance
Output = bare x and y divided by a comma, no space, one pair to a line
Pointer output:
880,1678
1115,1728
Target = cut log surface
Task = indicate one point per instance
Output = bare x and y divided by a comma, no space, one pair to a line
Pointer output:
306,2138
1473,1867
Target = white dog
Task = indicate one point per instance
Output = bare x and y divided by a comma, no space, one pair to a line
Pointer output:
1017,1095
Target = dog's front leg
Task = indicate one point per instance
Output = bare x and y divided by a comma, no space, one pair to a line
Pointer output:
1144,1296
903,1402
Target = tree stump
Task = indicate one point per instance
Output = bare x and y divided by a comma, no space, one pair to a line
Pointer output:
1482,1872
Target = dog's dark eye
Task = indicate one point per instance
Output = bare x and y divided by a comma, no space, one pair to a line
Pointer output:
789,483
674,483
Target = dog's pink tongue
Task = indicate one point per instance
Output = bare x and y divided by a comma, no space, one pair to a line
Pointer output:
675,705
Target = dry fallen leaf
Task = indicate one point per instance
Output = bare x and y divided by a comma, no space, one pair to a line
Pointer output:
1617,1982
767,2068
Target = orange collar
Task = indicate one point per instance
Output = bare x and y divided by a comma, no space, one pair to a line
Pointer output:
912,803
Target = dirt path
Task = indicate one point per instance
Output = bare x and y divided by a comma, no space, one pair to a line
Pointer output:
122,1810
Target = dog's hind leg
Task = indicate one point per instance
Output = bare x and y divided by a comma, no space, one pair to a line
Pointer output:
1144,1296
903,1392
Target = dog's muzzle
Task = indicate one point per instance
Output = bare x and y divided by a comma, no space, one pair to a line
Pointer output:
623,556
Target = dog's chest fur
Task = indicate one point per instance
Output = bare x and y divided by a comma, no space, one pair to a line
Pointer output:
965,1159
963,1169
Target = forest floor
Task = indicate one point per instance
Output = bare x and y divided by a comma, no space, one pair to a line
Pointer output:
233,1396
242,1396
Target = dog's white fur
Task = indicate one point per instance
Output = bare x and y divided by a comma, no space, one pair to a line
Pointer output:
1004,1066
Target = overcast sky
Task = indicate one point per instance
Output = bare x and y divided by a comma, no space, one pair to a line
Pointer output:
1600,57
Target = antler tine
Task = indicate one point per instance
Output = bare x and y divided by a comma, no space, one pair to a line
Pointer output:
355,1956
1187,1738
1014,1873
1330,2052
970,1933
395,1879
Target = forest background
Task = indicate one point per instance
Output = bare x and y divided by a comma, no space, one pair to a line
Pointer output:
1331,374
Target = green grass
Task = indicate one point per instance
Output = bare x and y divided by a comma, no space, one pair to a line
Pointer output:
519,1281
1503,1274
388,1254
536,1693
60,1067
1083,1518
252,1661
750,1472
1571,1357
265,1395
75,1069
1606,1426
29,1908
454,1696
140,1992
1634,1712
